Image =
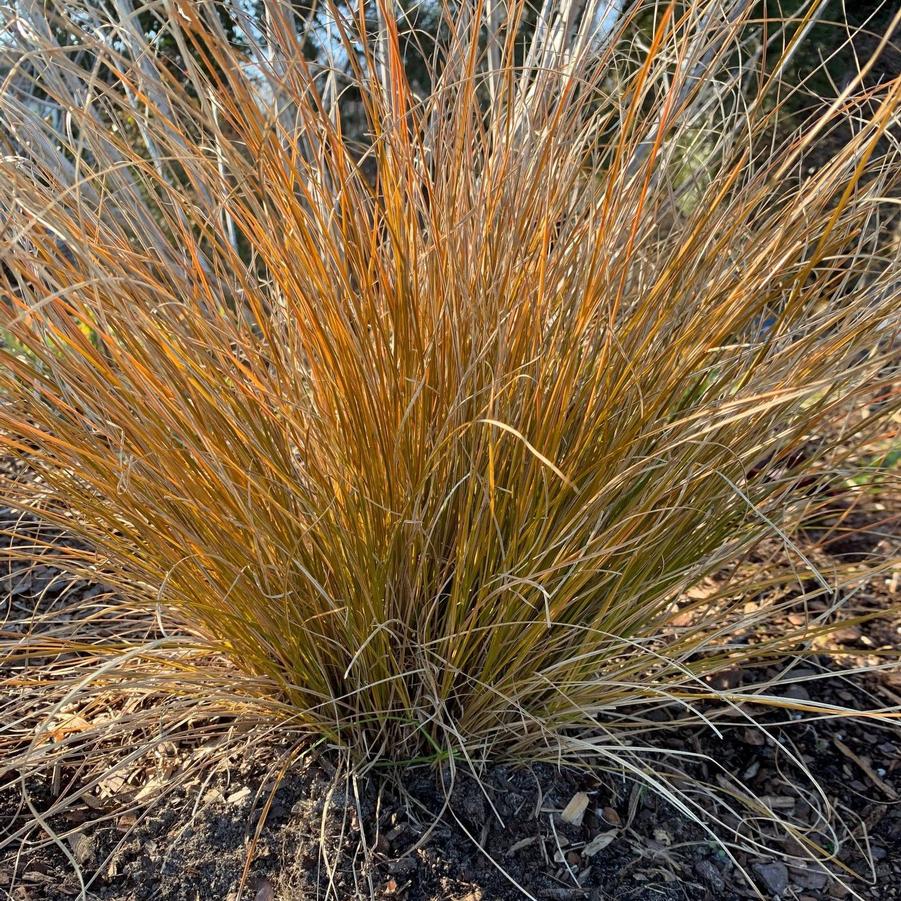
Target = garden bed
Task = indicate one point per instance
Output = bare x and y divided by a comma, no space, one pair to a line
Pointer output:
162,829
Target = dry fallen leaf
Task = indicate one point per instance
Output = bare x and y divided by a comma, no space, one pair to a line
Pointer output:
522,843
575,810
150,787
239,796
126,821
599,842
111,785
611,816
82,847
66,724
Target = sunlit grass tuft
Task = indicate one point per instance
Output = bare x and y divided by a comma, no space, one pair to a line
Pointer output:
427,432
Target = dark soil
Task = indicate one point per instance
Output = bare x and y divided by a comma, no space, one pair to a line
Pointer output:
194,843
424,835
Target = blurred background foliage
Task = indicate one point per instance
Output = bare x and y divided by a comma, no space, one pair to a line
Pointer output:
836,41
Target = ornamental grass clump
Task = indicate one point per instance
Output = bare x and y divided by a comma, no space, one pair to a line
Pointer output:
413,409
